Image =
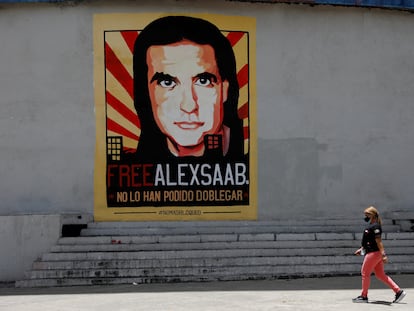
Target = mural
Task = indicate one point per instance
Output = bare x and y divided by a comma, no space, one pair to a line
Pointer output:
175,98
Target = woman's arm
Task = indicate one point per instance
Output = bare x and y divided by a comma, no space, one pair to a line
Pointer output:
381,248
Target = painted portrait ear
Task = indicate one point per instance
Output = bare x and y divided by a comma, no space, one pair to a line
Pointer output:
225,90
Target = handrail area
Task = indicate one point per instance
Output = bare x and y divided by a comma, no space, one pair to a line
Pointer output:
407,5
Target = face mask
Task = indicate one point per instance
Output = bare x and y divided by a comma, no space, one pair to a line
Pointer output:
366,219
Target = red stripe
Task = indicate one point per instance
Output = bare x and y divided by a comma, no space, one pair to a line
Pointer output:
119,129
246,132
130,37
114,65
129,150
243,111
243,76
122,109
235,37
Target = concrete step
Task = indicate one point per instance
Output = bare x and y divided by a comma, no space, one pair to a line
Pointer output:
236,223
128,246
201,262
286,228
214,237
174,254
404,219
169,272
211,253
281,239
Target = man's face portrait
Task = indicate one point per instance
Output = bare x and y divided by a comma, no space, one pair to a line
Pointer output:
186,93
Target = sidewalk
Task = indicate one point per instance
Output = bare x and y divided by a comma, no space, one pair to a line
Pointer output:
330,293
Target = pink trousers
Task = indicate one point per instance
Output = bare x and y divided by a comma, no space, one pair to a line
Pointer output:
373,263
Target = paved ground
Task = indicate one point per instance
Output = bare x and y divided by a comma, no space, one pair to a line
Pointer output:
299,294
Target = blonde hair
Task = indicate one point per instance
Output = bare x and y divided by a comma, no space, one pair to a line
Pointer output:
373,211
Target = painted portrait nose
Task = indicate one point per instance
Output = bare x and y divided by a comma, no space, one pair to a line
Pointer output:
189,100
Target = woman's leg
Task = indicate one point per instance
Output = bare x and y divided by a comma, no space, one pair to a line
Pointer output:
380,274
370,261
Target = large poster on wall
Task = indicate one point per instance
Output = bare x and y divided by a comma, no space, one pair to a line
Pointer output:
175,117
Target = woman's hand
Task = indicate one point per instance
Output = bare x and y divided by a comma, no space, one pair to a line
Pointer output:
358,251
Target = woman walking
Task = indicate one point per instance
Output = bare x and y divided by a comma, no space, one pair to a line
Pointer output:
375,257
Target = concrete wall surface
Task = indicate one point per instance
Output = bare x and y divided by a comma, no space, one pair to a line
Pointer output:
24,238
334,106
334,93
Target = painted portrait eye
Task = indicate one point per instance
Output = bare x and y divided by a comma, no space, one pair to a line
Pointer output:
203,81
167,83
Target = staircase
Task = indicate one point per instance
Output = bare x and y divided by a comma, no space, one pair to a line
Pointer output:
158,252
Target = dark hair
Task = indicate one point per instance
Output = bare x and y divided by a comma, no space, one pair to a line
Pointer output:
152,144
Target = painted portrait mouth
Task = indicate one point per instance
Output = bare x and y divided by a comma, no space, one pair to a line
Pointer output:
185,125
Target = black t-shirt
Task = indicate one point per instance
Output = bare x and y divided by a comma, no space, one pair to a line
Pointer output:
368,239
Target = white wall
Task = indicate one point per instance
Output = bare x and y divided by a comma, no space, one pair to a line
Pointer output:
23,239
335,91
335,106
